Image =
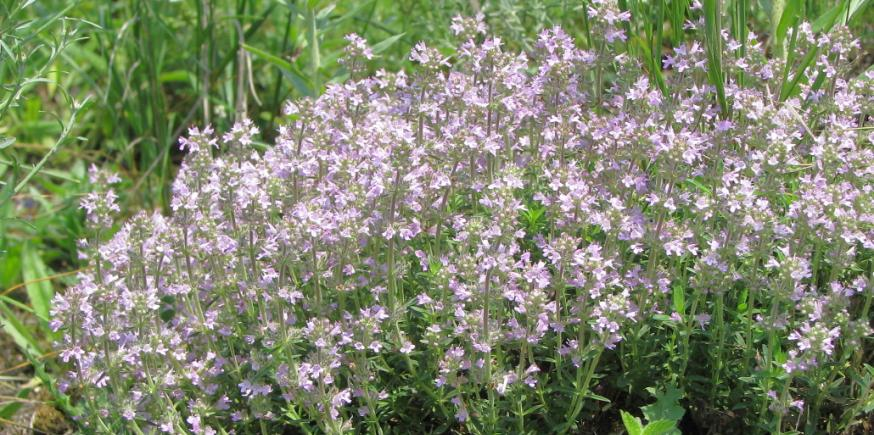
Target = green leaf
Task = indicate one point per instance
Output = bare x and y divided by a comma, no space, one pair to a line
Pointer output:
660,427
789,87
315,53
632,424
9,190
9,410
39,289
5,142
667,405
180,76
856,6
679,298
827,20
275,60
653,64
597,397
288,69
713,43
700,186
20,334
386,43
787,20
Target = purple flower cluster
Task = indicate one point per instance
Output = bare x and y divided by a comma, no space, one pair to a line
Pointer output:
488,221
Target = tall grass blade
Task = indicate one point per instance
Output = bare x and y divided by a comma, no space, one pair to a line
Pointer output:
289,70
739,30
19,333
39,289
829,18
386,43
713,41
315,53
652,64
787,19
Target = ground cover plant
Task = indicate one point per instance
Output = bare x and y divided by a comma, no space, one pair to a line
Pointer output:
498,243
569,234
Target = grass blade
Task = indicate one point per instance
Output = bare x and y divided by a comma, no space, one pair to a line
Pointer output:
315,54
19,332
787,19
652,64
39,289
288,69
386,43
9,410
827,20
713,41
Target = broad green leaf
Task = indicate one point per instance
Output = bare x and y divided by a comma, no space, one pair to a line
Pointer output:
660,427
667,405
632,424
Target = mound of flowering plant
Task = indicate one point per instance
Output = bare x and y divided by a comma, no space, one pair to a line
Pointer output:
500,242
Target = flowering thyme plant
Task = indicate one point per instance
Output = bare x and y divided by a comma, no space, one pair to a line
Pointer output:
498,242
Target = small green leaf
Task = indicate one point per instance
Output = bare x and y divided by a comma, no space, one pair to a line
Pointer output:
5,142
679,298
179,76
597,397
